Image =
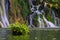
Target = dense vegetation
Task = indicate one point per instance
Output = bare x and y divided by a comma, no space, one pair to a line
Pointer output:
19,17
19,12
19,8
19,29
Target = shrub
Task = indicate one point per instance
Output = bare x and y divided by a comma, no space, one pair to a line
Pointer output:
19,29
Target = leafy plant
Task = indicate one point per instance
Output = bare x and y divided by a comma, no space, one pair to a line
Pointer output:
25,8
19,29
49,18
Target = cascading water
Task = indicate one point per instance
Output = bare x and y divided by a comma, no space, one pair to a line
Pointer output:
31,16
56,19
49,24
53,15
6,7
41,23
4,14
35,10
3,22
31,20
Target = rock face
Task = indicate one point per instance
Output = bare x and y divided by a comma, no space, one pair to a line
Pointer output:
58,13
15,12
1,25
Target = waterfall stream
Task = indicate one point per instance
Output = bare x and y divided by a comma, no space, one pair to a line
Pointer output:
49,24
3,13
35,9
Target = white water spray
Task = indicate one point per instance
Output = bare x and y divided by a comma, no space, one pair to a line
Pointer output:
3,14
40,20
49,24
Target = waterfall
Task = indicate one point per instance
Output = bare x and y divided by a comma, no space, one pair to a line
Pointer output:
3,14
3,20
35,10
30,2
42,21
53,15
56,19
31,20
49,24
4,25
6,7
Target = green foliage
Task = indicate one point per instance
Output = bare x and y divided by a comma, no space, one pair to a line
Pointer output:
15,3
35,20
49,18
19,28
25,8
54,0
54,3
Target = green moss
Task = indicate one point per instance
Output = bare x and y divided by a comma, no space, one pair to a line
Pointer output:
49,18
25,8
